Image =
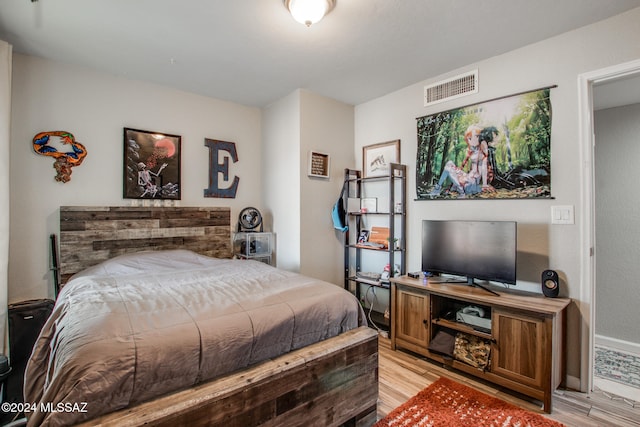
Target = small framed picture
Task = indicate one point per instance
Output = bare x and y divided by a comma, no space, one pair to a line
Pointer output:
376,158
363,236
151,165
318,164
368,204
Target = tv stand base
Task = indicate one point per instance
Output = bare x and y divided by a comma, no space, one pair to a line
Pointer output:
526,336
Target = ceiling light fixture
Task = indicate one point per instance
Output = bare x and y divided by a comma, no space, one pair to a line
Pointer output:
309,12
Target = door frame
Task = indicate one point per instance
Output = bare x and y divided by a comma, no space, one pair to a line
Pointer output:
587,189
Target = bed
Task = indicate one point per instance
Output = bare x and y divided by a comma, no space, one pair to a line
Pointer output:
144,333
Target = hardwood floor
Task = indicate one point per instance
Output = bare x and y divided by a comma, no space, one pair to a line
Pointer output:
403,374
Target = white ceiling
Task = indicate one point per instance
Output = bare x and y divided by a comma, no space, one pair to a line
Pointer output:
252,52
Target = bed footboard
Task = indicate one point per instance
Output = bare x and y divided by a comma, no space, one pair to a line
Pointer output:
330,383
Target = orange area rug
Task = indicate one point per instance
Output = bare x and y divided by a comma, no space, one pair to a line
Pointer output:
448,403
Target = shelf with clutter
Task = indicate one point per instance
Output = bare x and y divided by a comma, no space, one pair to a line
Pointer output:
375,237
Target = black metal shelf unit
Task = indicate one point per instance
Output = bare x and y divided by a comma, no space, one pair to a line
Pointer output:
392,214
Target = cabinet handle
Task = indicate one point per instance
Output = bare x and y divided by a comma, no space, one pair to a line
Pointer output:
425,321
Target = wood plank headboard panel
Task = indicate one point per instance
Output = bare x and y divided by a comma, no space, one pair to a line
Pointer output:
90,235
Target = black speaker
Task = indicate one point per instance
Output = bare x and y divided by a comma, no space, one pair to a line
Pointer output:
550,283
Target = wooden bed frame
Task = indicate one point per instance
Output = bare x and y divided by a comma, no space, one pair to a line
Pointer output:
90,235
332,383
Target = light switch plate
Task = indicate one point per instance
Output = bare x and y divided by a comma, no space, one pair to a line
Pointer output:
562,214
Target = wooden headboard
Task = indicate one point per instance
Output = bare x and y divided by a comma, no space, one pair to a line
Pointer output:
90,235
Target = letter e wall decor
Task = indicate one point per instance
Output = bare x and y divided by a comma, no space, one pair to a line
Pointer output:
216,169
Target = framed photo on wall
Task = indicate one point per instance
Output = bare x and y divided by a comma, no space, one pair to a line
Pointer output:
376,158
319,164
151,165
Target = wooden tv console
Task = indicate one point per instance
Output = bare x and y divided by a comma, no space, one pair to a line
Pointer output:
526,336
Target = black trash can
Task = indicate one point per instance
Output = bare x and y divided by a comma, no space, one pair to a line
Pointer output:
26,319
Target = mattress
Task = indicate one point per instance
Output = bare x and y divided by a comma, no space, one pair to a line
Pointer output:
143,325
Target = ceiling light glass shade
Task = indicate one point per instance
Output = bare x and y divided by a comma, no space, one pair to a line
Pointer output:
309,12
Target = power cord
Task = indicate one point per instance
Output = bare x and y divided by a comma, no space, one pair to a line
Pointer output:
371,303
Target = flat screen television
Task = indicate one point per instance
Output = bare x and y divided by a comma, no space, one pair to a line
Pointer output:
483,250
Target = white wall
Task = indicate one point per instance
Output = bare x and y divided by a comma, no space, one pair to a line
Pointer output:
299,205
326,126
617,150
281,180
95,107
557,61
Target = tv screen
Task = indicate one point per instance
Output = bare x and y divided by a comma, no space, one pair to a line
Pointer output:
484,250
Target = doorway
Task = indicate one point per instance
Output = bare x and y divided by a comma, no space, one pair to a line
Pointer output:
595,89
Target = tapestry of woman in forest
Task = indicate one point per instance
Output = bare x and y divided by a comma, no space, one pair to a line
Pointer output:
498,149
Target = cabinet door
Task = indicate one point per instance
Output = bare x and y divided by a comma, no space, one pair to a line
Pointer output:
520,347
412,317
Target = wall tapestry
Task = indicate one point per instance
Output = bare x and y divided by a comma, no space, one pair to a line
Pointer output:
64,160
498,149
151,165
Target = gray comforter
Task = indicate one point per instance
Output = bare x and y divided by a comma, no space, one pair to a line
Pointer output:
139,326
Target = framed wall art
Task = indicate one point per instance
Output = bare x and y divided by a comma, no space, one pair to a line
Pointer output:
376,158
151,165
319,164
498,149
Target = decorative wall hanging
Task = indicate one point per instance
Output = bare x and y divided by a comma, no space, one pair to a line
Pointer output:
319,164
64,160
151,165
376,158
498,149
216,168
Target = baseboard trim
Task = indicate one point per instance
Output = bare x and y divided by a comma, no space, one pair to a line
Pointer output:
616,389
618,344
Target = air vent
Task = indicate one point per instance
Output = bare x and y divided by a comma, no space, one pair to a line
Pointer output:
455,87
